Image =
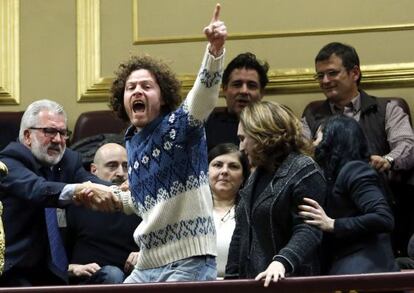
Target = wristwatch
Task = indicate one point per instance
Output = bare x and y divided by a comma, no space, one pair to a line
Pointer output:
389,159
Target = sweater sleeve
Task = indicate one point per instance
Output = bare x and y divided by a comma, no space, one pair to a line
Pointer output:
125,197
202,98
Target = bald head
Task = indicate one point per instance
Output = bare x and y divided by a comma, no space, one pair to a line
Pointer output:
110,163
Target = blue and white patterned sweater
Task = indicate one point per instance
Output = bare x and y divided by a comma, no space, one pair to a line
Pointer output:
168,177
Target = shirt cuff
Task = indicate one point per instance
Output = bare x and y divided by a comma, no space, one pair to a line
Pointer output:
67,192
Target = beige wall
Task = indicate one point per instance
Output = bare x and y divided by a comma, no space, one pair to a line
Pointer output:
67,50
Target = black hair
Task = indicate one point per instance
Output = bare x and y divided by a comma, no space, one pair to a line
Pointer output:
347,53
249,61
343,141
229,148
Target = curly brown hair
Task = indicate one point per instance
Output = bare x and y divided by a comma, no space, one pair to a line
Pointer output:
276,132
167,81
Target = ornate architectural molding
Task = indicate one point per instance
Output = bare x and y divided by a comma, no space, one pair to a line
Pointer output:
263,35
302,81
273,35
94,88
91,86
297,80
373,76
9,52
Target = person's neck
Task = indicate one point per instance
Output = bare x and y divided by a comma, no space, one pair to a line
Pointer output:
232,113
223,203
344,102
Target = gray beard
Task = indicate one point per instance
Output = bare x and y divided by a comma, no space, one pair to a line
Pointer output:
40,153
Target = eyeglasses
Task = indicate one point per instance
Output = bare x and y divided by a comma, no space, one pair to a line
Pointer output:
329,74
52,132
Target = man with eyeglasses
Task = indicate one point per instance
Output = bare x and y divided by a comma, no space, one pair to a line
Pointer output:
385,124
43,175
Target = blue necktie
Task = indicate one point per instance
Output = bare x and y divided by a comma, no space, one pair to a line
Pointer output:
57,250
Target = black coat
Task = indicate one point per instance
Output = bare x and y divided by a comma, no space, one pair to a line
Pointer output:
271,226
360,242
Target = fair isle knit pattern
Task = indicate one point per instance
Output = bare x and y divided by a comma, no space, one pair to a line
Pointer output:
168,177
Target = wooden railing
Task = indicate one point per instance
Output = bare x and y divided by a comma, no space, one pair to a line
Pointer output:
384,282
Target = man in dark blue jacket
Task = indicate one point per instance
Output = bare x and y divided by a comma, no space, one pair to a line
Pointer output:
43,175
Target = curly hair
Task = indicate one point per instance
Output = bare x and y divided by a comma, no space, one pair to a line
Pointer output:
343,140
165,78
276,132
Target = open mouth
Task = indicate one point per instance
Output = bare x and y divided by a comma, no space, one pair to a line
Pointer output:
138,106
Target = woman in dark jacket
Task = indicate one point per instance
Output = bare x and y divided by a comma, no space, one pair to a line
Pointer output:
358,219
270,238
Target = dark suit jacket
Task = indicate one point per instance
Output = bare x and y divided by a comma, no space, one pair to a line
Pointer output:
221,127
360,242
25,193
271,226
101,237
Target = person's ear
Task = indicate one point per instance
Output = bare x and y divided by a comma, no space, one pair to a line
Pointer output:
356,71
27,139
93,168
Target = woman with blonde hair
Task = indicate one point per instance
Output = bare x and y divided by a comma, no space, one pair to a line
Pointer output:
270,239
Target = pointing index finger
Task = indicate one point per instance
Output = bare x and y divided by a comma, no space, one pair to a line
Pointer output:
216,13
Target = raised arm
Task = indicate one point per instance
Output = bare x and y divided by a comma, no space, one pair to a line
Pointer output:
216,33
203,96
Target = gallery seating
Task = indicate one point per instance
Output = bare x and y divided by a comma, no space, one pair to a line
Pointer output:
97,122
9,125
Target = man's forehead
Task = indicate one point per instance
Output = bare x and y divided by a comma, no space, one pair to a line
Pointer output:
115,155
112,149
50,117
333,58
48,112
114,161
245,73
